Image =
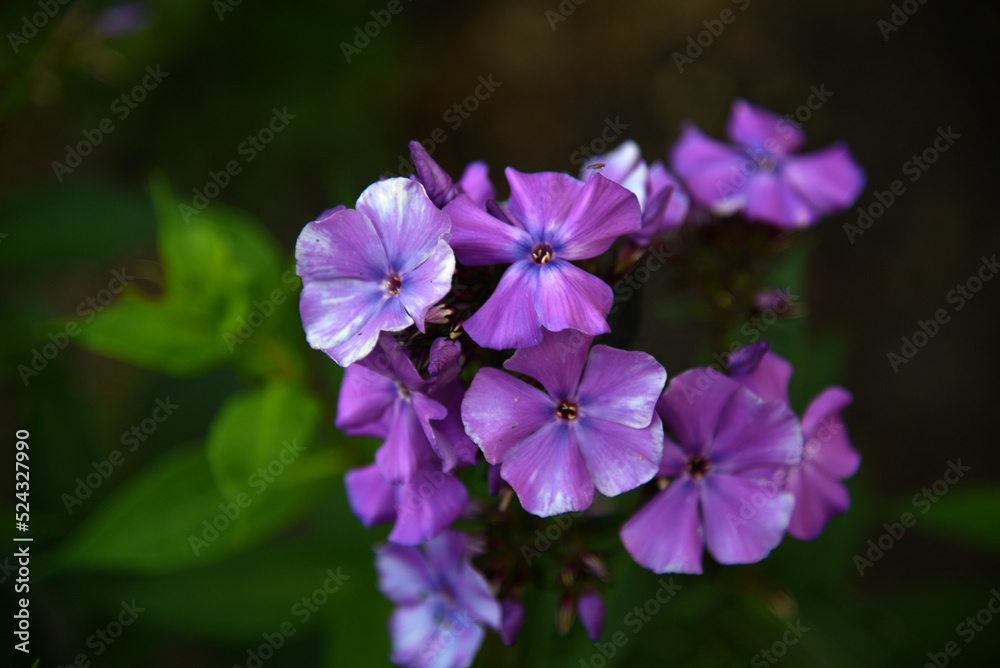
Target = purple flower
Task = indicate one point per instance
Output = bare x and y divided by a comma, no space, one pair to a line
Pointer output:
475,181
383,396
376,268
551,220
595,426
729,448
421,508
759,175
443,602
590,608
827,455
663,201
513,620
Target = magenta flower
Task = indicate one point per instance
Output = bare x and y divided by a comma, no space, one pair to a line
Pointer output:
443,602
759,175
420,419
376,268
513,620
827,455
595,426
421,508
475,181
661,197
730,447
551,220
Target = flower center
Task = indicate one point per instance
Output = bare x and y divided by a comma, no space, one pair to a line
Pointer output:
393,283
567,410
404,391
542,253
698,467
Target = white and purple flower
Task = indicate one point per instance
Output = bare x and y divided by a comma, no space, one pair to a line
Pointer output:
442,601
377,268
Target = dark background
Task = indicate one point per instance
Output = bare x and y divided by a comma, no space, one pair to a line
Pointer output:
557,88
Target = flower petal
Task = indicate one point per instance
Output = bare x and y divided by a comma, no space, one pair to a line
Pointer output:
710,169
474,596
369,495
744,520
674,460
619,163
403,576
619,458
768,379
751,125
479,238
406,449
829,179
557,362
590,607
665,535
770,197
343,244
508,318
692,405
406,220
390,317
426,506
827,445
569,297
513,620
499,411
427,284
752,433
475,183
364,403
621,386
413,628
541,201
817,499
548,473
334,311
435,180
602,212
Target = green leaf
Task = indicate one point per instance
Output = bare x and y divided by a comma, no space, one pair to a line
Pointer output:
169,517
966,515
261,431
176,336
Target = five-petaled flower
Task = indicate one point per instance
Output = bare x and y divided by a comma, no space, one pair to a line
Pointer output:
760,176
594,426
379,267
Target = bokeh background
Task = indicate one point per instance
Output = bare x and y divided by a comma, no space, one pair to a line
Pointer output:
564,73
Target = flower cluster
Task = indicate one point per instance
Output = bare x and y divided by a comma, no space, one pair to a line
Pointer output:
466,327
